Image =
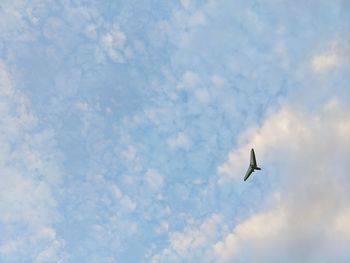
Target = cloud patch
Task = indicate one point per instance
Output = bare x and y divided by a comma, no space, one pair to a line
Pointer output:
29,169
307,216
335,55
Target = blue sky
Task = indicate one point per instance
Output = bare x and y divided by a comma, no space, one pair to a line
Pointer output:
126,128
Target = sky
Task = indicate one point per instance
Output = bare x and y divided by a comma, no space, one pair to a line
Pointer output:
126,129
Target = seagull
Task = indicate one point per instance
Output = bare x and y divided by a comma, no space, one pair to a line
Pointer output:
252,166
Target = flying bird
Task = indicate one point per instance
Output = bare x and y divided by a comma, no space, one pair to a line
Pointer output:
252,166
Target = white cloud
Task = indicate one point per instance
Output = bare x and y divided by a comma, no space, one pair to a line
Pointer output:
82,106
125,201
217,81
189,80
52,247
115,38
196,19
91,31
30,172
6,82
308,153
324,61
193,243
163,227
185,3
53,250
180,140
276,130
154,179
258,228
289,130
335,55
341,224
202,95
113,43
130,153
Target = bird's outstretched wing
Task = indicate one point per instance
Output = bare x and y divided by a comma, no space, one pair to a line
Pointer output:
252,158
248,173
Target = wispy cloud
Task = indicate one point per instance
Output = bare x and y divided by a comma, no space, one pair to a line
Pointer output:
336,55
29,175
309,208
192,244
118,119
